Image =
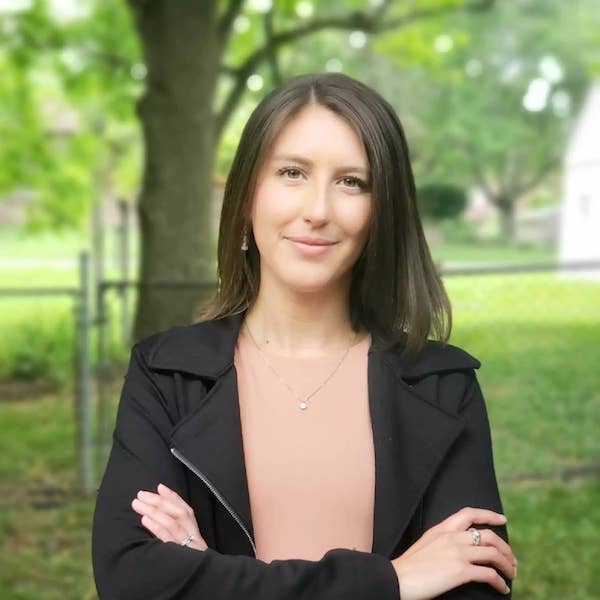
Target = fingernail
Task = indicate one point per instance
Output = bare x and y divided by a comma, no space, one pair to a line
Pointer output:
515,572
507,590
503,518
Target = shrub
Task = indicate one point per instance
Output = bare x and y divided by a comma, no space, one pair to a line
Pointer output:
441,201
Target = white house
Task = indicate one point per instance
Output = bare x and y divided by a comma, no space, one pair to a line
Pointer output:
579,238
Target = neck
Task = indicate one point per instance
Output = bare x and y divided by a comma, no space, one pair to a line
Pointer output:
300,324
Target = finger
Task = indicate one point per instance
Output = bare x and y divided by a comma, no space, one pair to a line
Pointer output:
173,517
170,502
168,492
491,555
165,505
174,497
490,538
171,526
175,532
487,575
156,529
468,516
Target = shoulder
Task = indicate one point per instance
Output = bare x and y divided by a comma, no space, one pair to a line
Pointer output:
169,370
434,357
204,348
442,374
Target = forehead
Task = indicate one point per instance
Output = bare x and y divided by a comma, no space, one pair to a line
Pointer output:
318,132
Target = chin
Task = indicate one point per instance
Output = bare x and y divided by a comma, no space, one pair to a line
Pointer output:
307,289
308,283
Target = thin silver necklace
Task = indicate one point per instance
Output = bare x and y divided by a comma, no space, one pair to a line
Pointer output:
302,402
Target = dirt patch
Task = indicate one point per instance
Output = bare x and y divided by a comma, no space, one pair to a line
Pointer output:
571,474
12,391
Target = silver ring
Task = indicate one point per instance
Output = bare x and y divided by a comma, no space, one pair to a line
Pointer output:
476,535
187,540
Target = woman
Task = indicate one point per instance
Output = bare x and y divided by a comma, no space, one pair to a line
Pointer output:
305,439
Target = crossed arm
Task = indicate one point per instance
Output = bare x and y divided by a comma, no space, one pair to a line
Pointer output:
136,541
131,562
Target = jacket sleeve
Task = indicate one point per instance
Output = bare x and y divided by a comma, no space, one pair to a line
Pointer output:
129,563
467,477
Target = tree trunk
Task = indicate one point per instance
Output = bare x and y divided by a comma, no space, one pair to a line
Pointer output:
182,53
506,206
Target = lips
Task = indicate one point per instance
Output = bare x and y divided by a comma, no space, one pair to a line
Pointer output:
311,241
311,247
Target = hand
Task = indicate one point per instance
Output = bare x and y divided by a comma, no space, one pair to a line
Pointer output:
445,557
168,517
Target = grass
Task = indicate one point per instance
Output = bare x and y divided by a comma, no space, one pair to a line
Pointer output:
492,252
553,531
45,553
537,358
536,336
65,246
48,556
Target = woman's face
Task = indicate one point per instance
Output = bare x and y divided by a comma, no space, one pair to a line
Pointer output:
312,205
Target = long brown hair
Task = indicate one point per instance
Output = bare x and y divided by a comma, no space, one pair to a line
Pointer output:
395,291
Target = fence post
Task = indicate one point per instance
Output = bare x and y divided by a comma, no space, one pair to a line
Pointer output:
98,249
124,267
102,368
83,375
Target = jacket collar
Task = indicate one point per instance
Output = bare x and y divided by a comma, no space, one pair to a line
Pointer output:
411,432
206,349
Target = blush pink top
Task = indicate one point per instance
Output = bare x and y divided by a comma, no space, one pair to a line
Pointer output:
311,473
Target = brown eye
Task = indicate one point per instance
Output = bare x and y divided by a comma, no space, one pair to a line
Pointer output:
358,183
288,170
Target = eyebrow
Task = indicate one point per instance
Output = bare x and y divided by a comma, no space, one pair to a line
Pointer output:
305,161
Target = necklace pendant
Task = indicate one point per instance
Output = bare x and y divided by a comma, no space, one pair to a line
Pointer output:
303,406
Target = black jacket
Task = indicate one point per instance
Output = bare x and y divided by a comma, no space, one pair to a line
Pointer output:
178,423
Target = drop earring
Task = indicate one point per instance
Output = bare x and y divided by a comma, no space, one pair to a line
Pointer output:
245,240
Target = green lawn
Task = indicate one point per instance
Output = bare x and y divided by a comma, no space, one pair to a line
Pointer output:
45,553
17,244
492,252
536,336
553,531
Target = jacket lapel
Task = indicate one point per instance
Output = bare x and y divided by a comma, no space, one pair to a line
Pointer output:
411,434
411,437
211,439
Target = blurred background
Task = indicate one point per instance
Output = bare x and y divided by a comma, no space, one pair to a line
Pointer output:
118,123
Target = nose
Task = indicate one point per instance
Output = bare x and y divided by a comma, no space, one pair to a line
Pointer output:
316,207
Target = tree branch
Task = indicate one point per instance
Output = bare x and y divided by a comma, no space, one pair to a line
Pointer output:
372,22
109,58
508,176
481,179
478,175
272,57
226,20
534,181
138,7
